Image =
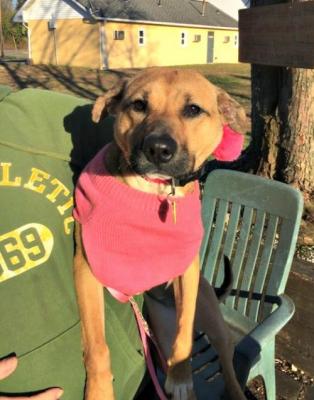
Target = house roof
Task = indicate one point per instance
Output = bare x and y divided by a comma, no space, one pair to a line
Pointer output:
185,12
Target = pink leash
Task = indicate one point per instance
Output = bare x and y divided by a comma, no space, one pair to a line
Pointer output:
145,333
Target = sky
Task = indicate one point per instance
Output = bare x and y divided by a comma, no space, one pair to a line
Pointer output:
230,7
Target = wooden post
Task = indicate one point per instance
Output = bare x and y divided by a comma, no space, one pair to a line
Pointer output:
1,33
282,99
285,34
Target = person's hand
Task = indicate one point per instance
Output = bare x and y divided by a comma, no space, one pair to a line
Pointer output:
7,366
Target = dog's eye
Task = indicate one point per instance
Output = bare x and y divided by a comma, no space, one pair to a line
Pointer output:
139,105
192,110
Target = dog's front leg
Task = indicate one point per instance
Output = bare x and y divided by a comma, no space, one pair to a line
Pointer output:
209,319
91,307
179,378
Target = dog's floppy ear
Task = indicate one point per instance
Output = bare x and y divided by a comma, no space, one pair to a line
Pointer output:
235,125
232,113
230,146
108,102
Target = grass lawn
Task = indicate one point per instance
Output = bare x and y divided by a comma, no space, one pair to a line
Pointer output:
234,78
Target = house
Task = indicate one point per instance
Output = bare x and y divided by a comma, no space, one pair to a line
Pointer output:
128,33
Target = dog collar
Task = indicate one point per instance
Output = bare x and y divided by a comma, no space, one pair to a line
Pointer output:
180,181
193,176
158,181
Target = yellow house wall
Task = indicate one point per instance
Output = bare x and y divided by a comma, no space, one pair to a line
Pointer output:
41,43
73,43
226,46
77,43
162,46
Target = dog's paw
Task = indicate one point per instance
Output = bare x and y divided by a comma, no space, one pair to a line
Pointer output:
179,383
98,388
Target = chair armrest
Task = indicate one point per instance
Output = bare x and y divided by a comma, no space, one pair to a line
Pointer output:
246,355
274,322
247,351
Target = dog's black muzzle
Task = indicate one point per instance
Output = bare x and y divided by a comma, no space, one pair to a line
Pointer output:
159,148
159,153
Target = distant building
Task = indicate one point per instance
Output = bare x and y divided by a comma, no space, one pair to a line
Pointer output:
128,33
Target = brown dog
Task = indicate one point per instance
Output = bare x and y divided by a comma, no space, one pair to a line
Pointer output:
168,122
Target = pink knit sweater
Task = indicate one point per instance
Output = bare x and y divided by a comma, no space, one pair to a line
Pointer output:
129,236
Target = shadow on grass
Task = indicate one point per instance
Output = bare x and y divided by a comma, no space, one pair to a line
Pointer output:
240,76
80,82
89,83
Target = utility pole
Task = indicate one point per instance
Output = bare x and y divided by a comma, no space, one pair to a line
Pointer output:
1,33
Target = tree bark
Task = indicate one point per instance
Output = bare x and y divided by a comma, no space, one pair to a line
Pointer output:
296,147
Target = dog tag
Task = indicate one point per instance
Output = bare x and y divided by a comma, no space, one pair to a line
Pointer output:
173,202
174,211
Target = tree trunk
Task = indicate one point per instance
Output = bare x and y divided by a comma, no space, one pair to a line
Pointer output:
283,123
296,148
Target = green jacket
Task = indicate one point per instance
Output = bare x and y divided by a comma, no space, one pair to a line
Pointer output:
45,140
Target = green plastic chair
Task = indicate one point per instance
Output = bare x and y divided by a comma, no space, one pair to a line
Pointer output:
255,222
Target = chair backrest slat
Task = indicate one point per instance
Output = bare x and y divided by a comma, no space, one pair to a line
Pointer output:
264,262
208,214
257,229
230,239
218,223
232,229
242,243
283,256
219,230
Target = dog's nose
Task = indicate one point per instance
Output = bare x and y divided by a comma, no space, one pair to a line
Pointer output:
159,148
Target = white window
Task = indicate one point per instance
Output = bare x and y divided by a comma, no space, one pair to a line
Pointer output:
184,39
141,37
118,35
236,41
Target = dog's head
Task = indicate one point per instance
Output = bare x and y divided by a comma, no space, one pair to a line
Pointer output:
168,121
